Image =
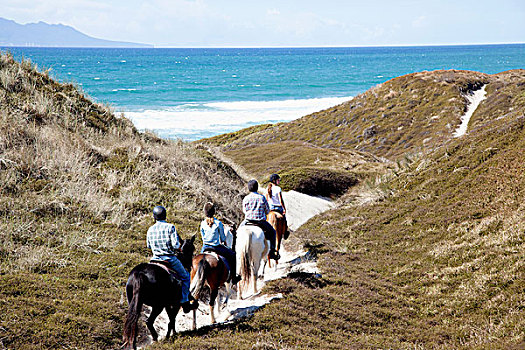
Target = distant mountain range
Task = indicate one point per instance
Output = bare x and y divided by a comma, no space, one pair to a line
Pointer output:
52,35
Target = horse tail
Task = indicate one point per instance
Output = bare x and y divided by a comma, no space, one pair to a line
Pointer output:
135,281
245,259
271,218
198,281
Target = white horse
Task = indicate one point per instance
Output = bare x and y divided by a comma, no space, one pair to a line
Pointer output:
252,248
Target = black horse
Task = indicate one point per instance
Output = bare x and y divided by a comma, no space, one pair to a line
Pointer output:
152,285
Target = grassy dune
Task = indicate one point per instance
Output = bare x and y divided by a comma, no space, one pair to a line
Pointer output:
411,113
77,187
435,262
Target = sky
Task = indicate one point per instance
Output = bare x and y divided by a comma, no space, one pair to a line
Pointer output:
248,23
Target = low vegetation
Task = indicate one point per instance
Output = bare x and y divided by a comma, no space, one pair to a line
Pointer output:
307,168
78,185
431,260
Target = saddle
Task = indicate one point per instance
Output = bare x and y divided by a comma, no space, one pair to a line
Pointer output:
219,257
250,223
166,266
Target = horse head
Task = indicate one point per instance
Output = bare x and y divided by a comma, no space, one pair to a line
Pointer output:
186,252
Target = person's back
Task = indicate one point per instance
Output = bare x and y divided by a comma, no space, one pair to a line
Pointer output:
255,208
275,199
163,240
214,238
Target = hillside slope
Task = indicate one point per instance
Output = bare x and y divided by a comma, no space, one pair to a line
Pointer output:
77,187
402,117
436,263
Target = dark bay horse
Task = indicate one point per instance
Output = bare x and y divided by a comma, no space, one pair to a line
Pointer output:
209,271
151,284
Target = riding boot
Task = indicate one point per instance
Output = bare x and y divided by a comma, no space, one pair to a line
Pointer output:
190,305
236,279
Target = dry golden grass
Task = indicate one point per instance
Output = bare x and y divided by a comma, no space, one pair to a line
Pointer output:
425,256
78,185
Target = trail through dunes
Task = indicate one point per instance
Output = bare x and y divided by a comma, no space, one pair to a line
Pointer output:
474,99
301,207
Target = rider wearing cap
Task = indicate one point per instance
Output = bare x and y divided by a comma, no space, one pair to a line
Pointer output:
164,242
255,207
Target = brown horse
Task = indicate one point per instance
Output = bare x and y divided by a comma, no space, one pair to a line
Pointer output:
278,221
209,271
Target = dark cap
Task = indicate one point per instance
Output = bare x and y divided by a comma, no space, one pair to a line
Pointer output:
159,213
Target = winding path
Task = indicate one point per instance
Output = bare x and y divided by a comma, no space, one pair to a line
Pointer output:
301,207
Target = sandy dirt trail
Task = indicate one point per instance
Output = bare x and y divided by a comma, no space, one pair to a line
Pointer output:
300,208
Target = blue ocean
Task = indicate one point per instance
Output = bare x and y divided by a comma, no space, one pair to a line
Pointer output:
201,92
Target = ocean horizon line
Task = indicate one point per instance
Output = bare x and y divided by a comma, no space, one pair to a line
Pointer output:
271,46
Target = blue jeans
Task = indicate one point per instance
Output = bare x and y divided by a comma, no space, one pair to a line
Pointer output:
181,272
277,208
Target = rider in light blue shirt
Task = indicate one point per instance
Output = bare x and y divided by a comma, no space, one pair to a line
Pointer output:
212,235
214,239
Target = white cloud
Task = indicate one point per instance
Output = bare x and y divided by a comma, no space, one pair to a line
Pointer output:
275,22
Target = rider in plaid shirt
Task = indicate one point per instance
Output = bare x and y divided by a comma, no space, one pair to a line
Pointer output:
255,207
163,240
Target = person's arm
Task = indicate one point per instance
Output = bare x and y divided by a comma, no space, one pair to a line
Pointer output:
201,229
174,238
222,235
266,206
244,205
282,202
